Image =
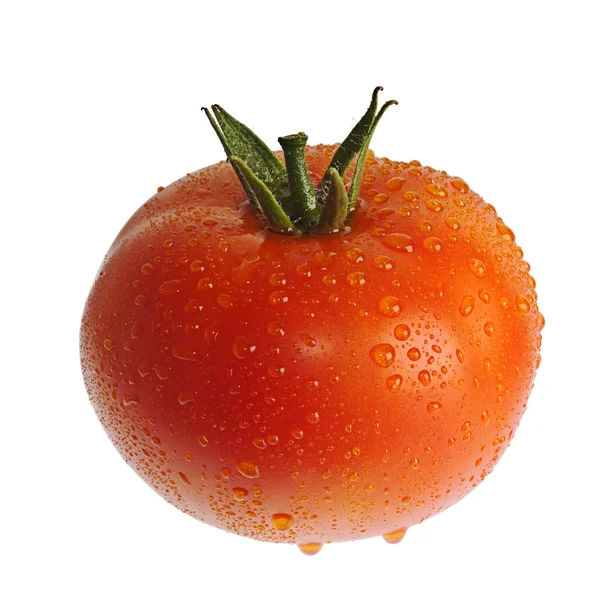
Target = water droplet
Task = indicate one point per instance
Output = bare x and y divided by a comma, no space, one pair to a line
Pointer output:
433,406
460,356
484,295
434,205
393,537
354,255
184,479
277,279
487,365
414,463
414,354
383,354
435,189
303,269
203,440
399,241
523,305
248,469
380,198
466,306
402,332
329,279
282,521
476,267
148,269
239,493
505,232
196,266
383,263
410,196
389,306
137,331
183,353
460,185
452,223
424,377
226,301
503,302
356,279
395,183
278,298
186,397
393,383
259,443
192,307
432,244
170,288
406,500
130,399
485,417
242,348
311,548
313,417
211,333
489,329
297,433
308,340
275,328
108,344
204,285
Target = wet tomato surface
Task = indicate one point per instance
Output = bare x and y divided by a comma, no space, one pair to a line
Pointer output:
313,388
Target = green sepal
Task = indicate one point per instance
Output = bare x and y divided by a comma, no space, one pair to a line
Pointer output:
335,205
245,144
270,207
362,156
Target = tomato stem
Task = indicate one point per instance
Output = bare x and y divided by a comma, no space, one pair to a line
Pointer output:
285,194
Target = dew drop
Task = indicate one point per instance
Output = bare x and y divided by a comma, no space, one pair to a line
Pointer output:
433,407
460,185
489,329
523,305
460,355
259,443
308,340
356,279
248,469
277,279
186,397
414,354
399,241
485,417
476,267
402,332
184,479
383,354
278,298
108,344
282,521
389,306
383,263
313,417
242,348
204,285
466,306
239,493
148,269
452,223
211,333
170,288
203,440
393,537
505,232
183,353
137,331
484,295
435,189
395,183
381,198
297,433
414,463
424,377
275,328
311,548
432,244
434,205
354,255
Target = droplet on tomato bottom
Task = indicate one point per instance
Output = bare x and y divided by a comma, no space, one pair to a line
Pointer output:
248,469
402,332
476,267
282,521
393,537
466,306
383,354
389,306
311,548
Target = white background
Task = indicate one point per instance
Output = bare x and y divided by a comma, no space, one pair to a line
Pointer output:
101,105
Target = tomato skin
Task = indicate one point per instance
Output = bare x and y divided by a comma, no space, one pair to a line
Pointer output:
321,387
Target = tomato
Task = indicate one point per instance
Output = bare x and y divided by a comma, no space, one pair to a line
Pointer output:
313,388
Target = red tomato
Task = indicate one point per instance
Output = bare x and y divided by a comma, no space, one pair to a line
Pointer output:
313,388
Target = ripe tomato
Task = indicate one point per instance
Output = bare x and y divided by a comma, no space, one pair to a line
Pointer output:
313,388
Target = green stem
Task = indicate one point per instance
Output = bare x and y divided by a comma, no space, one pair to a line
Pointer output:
302,197
285,194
